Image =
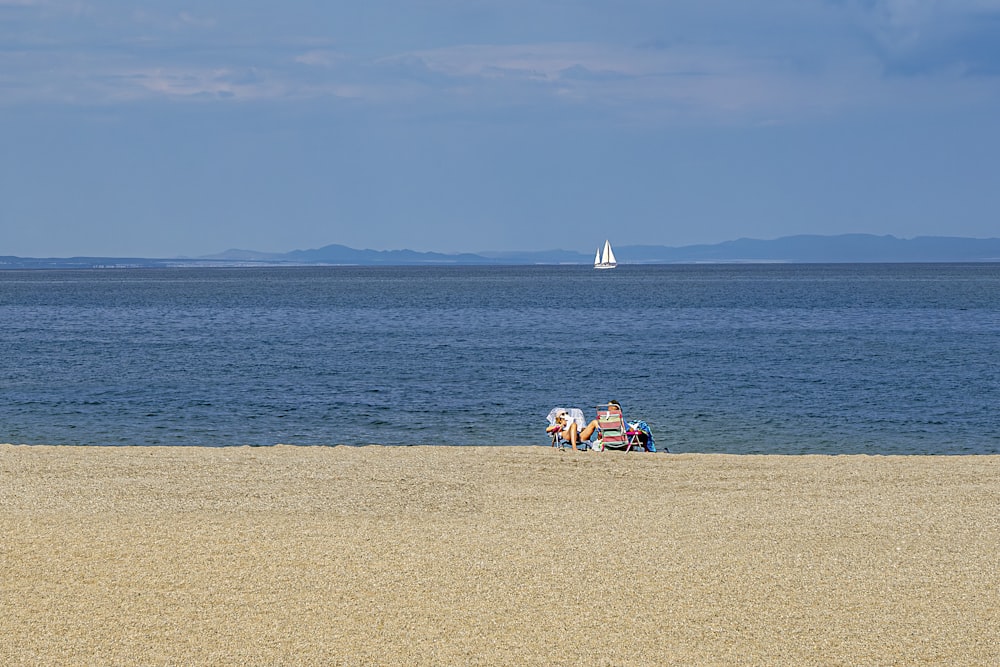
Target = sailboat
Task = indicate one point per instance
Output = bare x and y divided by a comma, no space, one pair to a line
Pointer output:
605,260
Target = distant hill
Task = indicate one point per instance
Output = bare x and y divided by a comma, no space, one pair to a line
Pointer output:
343,255
803,248
845,248
339,254
811,248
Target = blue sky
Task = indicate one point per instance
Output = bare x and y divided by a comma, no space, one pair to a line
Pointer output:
184,129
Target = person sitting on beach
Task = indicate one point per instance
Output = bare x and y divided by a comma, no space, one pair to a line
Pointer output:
569,430
645,435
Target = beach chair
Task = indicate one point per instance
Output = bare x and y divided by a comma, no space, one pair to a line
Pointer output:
615,433
575,414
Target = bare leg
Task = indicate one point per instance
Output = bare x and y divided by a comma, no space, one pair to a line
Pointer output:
571,435
588,430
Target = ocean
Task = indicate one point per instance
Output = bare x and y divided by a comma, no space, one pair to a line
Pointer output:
766,358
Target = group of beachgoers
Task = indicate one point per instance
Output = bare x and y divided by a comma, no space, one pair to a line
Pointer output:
568,426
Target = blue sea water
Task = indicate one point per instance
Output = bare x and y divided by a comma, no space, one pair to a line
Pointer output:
789,359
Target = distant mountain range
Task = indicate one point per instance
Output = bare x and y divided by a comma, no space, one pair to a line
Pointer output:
846,248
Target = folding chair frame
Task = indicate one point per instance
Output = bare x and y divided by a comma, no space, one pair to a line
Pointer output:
622,436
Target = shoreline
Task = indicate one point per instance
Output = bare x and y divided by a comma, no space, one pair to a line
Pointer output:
349,555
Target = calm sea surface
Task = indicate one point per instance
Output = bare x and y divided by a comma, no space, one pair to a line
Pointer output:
887,359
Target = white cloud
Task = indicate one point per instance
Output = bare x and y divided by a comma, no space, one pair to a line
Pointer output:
196,21
670,82
174,82
321,58
785,61
927,34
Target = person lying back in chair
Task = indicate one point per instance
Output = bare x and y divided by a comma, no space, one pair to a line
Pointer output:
570,431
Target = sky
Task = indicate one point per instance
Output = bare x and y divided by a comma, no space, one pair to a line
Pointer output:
172,129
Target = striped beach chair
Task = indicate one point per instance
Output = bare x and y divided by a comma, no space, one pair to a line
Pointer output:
615,434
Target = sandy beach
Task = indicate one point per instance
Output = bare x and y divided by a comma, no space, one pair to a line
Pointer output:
494,556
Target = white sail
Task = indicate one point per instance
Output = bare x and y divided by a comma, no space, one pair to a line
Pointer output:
605,260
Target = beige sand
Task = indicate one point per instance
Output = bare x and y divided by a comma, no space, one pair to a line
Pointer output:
494,556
